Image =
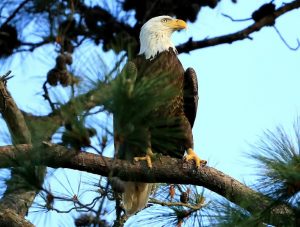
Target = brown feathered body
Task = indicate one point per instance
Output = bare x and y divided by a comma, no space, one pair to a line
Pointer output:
181,107
167,64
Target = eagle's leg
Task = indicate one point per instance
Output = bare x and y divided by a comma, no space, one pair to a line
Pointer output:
147,157
191,155
149,153
189,144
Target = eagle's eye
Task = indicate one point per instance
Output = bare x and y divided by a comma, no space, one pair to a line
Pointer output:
164,20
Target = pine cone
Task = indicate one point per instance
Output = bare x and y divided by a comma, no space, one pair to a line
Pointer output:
53,76
184,197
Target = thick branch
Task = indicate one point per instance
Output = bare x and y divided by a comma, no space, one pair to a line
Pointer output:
10,218
167,169
12,115
15,198
240,35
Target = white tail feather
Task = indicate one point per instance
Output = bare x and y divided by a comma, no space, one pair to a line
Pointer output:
136,196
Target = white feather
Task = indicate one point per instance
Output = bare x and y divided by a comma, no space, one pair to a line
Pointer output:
155,37
136,196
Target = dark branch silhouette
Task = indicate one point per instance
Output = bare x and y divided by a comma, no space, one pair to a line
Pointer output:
285,42
240,35
235,20
15,12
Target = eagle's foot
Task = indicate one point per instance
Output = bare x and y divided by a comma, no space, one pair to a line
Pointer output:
191,155
147,157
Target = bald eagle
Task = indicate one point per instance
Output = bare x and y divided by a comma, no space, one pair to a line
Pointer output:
158,56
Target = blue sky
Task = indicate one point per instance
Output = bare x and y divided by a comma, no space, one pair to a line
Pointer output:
245,88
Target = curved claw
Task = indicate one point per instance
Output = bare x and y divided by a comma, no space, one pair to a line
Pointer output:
147,158
191,155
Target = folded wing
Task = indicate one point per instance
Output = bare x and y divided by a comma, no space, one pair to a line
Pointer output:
190,95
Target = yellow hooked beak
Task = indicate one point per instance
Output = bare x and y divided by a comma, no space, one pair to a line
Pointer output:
176,24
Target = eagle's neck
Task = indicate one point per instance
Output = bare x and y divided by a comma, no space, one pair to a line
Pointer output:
155,42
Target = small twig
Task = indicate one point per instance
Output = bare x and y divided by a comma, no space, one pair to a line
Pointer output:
35,45
236,20
95,149
78,43
78,206
13,14
121,218
179,188
108,76
285,42
6,77
47,97
170,204
89,113
98,212
3,92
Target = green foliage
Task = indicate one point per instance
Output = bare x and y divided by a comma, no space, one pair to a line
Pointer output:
172,210
27,177
278,158
227,215
76,134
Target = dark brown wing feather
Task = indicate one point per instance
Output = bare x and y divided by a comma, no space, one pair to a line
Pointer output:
166,64
190,95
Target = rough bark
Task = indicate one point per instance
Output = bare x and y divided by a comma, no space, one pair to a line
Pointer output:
13,116
9,218
165,169
15,198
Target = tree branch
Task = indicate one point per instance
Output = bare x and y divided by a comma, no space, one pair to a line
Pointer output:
240,35
10,218
12,115
285,42
170,204
15,198
15,12
166,169
31,46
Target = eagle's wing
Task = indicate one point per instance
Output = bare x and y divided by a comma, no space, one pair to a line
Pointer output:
127,79
135,195
190,95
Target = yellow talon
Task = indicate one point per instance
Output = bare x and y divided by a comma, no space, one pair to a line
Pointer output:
147,157
191,155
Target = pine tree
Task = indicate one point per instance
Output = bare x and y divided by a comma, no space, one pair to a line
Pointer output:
71,125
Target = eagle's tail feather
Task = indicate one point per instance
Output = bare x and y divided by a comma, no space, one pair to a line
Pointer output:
135,196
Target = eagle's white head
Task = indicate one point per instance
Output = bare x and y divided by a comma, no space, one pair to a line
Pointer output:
155,35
